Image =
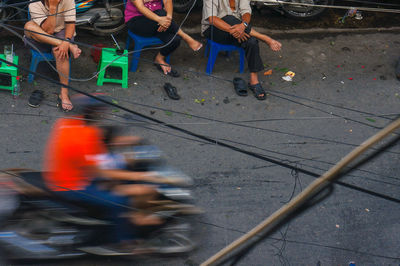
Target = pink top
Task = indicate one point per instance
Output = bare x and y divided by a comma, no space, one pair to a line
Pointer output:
131,11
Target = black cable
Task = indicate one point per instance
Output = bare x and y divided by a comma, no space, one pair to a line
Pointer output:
326,112
321,110
258,128
326,103
208,139
241,254
21,3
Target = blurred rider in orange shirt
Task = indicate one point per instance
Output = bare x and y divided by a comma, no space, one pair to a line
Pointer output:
71,166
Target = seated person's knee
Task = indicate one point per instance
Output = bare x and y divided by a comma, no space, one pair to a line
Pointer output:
29,25
56,54
252,41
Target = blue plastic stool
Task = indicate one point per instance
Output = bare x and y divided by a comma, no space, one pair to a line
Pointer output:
215,48
140,43
37,58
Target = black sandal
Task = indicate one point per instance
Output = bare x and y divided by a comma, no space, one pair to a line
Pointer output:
172,73
240,86
59,105
171,91
258,90
36,98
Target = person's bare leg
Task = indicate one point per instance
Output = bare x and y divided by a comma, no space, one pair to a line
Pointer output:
141,194
63,73
253,78
32,26
160,59
40,36
193,44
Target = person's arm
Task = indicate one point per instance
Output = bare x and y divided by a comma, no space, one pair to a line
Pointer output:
219,23
246,18
69,30
125,140
168,7
124,175
49,23
239,29
162,21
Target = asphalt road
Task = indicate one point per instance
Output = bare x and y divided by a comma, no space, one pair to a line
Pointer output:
343,92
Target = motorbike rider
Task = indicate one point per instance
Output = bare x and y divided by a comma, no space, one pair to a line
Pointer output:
72,168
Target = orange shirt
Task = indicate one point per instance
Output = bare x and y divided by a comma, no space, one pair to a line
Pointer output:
71,147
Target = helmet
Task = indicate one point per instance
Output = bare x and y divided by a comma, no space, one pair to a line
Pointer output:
85,105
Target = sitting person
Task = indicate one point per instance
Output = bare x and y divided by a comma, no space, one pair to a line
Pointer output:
45,22
72,169
228,22
148,18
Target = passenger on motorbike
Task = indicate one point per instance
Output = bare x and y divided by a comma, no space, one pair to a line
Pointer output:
72,168
115,159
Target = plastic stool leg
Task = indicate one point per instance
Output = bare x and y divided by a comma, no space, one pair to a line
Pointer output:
241,62
100,78
206,49
124,76
128,42
211,59
135,57
34,63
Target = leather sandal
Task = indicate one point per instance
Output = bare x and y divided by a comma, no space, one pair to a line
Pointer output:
258,91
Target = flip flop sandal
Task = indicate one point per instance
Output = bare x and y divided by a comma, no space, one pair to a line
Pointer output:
171,91
36,98
59,105
257,89
172,73
240,86
198,49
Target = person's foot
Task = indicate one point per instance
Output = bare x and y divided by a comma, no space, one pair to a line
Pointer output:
159,60
195,45
76,52
66,104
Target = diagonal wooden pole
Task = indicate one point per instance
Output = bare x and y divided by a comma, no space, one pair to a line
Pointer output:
315,187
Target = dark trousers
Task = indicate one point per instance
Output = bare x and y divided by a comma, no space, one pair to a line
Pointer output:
250,46
145,27
111,205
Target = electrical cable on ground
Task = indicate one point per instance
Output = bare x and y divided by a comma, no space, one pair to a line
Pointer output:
289,210
210,140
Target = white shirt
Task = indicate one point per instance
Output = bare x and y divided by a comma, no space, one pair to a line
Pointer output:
221,8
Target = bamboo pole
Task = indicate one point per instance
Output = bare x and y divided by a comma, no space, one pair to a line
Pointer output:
315,187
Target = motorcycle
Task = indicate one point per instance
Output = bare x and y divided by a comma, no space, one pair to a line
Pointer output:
100,17
35,224
291,9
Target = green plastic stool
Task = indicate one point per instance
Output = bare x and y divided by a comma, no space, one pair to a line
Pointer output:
11,70
108,55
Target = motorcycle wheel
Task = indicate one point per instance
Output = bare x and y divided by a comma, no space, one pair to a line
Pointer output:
300,12
115,29
183,6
